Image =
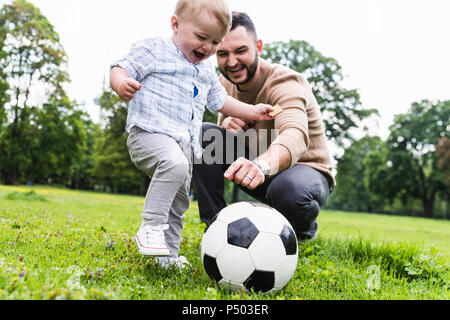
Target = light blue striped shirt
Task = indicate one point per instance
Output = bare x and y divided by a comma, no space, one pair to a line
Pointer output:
174,91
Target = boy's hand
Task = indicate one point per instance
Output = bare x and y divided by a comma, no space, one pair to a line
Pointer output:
127,88
235,125
262,112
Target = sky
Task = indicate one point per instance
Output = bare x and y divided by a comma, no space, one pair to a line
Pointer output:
394,52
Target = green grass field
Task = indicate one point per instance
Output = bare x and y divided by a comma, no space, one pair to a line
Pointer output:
65,244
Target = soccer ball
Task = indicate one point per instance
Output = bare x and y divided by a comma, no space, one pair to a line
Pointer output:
252,246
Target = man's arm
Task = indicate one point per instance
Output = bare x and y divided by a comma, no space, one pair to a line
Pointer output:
278,157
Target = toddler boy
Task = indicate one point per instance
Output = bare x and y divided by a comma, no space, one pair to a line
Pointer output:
169,82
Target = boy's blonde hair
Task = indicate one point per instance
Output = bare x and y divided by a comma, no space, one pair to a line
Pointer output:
218,8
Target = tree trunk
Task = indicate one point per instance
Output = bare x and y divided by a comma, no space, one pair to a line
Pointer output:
10,177
428,206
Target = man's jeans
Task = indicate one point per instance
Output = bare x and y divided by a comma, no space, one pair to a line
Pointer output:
297,192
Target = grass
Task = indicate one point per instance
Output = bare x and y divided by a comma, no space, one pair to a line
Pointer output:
65,244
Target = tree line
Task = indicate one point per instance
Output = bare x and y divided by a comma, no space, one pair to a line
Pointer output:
47,138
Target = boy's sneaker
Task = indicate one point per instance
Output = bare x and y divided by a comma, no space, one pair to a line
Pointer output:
166,262
150,240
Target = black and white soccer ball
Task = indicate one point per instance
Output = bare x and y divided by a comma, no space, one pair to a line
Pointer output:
252,246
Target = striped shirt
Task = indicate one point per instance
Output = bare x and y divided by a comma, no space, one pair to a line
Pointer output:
174,91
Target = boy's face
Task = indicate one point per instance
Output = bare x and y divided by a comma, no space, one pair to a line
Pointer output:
197,37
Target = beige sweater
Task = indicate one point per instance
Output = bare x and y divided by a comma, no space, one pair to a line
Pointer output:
300,127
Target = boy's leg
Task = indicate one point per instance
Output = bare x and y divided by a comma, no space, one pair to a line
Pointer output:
179,206
161,158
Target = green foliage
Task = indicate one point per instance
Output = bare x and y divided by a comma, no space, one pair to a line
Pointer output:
42,137
409,168
112,166
341,108
31,52
59,142
352,192
25,196
443,160
373,174
81,171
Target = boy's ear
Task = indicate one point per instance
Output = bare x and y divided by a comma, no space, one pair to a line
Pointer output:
174,23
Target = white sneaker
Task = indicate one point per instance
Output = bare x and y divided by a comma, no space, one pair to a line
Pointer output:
166,262
150,240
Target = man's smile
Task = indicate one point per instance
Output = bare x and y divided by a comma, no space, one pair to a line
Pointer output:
236,70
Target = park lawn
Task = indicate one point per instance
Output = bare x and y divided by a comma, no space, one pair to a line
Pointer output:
65,244
427,233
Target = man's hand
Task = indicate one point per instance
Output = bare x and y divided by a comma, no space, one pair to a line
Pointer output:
245,173
127,88
234,124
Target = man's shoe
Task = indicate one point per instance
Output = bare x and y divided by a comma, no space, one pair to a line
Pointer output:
166,262
150,240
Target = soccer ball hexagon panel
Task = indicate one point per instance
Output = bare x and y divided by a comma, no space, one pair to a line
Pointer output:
250,245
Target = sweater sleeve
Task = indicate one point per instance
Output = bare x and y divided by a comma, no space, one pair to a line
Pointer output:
292,134
292,123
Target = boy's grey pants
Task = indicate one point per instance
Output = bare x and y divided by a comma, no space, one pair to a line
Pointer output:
162,159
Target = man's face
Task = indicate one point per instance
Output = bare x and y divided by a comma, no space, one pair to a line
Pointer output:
238,56
198,38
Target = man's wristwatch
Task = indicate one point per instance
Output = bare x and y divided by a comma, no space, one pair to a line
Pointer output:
264,166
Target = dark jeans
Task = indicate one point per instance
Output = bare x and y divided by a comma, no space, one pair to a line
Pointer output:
297,192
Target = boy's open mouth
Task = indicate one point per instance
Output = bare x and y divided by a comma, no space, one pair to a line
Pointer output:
199,54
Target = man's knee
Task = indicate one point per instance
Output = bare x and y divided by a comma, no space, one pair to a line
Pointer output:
296,201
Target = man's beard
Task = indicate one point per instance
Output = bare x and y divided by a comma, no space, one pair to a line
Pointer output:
251,70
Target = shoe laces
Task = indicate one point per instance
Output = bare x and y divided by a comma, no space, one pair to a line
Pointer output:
155,232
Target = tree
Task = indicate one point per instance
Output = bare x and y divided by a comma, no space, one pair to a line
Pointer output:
81,171
4,97
443,158
59,142
410,166
341,108
352,192
31,58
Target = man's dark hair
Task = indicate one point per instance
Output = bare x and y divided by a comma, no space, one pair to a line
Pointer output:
242,19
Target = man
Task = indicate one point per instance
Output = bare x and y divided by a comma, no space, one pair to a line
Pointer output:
293,174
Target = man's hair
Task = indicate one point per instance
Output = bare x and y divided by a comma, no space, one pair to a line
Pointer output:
242,19
218,8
